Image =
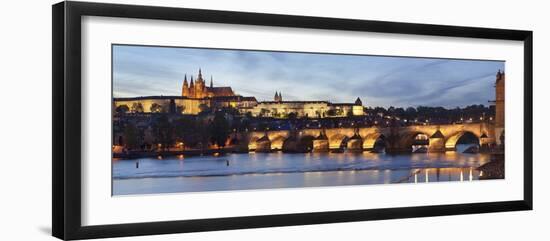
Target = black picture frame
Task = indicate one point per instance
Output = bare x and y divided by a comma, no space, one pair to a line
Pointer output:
66,158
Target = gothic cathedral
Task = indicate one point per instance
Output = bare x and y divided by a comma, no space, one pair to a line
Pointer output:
197,89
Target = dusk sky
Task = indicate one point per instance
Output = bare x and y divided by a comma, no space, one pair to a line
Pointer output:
377,80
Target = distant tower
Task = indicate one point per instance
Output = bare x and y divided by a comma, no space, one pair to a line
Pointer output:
499,106
185,88
358,102
211,81
357,108
278,97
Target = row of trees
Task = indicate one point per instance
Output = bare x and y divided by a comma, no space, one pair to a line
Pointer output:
425,112
136,108
154,108
406,113
167,131
292,115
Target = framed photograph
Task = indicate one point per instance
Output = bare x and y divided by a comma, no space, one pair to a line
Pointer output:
169,120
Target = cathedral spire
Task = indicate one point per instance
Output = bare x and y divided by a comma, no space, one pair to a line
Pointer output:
200,75
185,87
191,84
278,97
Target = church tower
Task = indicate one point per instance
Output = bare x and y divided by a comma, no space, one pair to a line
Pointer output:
278,97
358,102
357,108
185,88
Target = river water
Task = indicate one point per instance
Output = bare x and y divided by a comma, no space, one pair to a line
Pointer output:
283,170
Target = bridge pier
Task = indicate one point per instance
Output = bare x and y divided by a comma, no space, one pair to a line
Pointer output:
263,144
437,145
320,145
355,145
290,145
397,150
263,148
436,142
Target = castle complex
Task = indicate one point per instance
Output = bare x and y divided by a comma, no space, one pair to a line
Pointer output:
197,97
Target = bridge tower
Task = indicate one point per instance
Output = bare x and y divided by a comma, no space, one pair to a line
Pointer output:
499,107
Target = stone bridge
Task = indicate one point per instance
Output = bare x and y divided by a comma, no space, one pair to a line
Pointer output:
438,138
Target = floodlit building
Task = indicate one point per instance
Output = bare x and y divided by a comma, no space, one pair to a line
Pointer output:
313,109
197,97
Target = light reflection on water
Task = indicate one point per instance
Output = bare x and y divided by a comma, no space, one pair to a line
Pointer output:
266,163
281,170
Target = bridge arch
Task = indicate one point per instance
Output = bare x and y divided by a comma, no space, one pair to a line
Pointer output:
409,141
375,142
259,144
370,140
452,141
380,144
295,143
338,141
321,143
277,142
252,143
232,141
305,143
355,143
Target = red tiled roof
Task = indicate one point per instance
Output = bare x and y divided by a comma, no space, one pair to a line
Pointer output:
221,91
